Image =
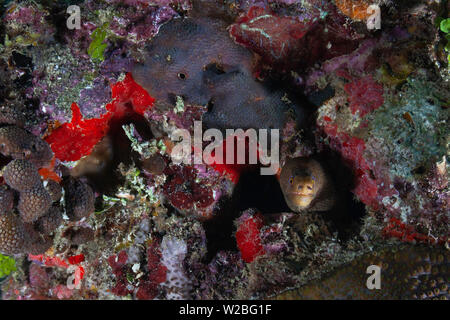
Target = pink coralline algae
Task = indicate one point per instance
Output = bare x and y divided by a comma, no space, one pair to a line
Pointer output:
277,34
352,151
411,212
365,95
146,288
38,277
291,42
186,194
30,24
119,269
135,21
151,19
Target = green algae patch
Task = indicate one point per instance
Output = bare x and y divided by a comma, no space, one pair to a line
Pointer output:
7,265
97,47
444,25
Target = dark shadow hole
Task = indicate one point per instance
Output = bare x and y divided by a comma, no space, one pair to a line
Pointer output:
348,212
107,179
419,170
260,192
210,105
252,191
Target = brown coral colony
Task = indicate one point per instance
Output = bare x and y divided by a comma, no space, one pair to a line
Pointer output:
30,209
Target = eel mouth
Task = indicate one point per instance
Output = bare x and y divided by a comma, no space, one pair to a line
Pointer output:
300,194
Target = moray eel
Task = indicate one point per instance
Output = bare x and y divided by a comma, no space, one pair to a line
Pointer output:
407,272
195,58
306,185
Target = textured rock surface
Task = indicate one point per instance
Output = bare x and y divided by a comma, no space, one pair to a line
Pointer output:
406,273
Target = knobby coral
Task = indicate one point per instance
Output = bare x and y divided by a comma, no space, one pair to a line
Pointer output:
28,224
407,272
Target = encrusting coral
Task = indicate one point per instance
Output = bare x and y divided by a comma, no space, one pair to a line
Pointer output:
407,272
12,234
34,203
6,199
20,144
54,189
27,224
10,115
21,175
50,221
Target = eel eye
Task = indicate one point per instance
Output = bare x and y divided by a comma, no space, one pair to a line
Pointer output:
291,180
182,76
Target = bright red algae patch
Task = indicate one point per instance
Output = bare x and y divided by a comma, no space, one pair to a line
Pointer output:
55,261
74,140
235,170
48,173
248,238
76,259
